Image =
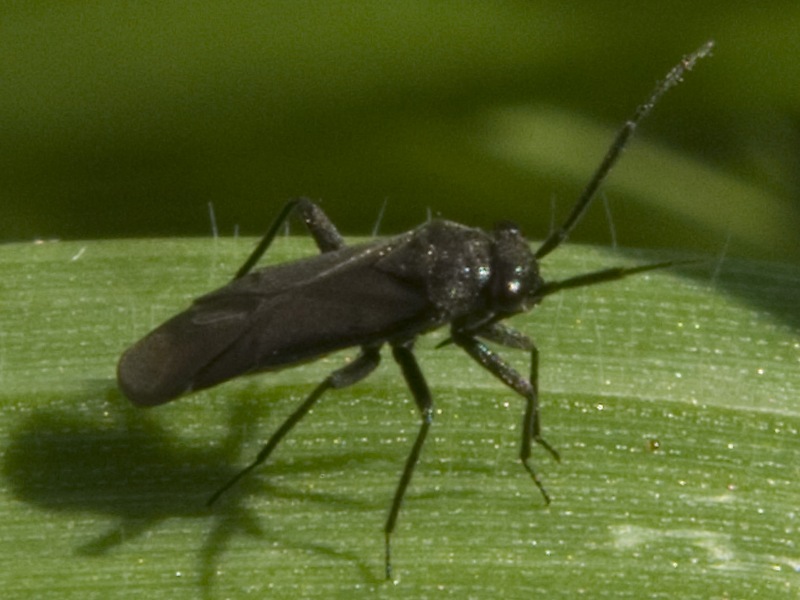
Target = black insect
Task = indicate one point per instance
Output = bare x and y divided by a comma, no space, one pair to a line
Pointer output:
386,292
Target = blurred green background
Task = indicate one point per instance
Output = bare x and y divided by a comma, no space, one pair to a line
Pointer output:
127,119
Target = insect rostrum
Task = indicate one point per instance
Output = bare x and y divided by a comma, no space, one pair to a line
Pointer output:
386,292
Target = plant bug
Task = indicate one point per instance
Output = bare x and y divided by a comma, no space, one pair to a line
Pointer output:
384,292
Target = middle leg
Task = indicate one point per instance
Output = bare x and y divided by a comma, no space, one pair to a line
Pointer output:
348,375
422,396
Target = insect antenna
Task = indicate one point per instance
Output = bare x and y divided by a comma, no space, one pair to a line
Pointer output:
620,141
612,274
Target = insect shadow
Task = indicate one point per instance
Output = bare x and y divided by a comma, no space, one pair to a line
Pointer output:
66,461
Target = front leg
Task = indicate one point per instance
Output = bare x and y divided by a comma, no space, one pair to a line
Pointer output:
527,388
502,334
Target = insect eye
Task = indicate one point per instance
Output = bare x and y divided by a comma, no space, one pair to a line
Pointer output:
512,267
509,289
513,287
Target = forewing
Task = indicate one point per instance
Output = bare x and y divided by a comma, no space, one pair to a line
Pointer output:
353,304
273,318
161,366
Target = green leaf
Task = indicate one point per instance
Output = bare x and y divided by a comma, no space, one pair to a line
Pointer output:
671,396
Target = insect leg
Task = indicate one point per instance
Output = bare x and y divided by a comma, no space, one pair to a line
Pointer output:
363,365
422,396
322,229
320,226
499,333
527,388
502,334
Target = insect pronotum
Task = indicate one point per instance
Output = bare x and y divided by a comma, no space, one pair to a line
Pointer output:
384,292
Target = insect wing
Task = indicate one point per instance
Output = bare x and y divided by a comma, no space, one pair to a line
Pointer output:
160,366
273,318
